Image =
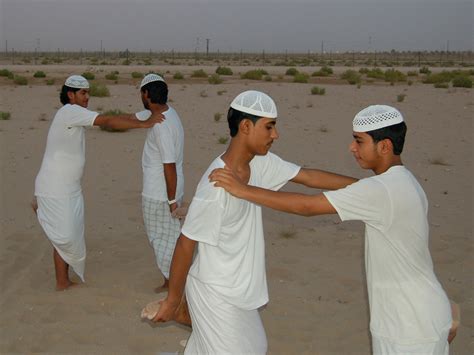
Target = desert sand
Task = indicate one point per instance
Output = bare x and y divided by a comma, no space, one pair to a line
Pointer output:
318,299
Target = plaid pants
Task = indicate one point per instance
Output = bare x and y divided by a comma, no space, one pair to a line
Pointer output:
162,230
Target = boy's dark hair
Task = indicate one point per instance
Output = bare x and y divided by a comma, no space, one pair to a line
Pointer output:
157,92
63,94
234,117
395,133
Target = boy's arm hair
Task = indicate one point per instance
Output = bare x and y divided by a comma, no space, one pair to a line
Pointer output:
321,179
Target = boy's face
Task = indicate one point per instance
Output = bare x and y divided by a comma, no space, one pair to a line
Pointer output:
80,97
365,151
262,135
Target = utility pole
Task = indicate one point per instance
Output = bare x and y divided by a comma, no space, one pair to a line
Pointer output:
207,47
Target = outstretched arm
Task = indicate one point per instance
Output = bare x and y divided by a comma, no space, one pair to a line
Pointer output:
182,259
301,204
322,179
122,122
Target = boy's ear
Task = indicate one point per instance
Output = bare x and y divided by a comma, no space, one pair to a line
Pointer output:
70,95
385,146
244,126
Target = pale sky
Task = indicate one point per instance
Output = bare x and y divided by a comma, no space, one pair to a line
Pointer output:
234,25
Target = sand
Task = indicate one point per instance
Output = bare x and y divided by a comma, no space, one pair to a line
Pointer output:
318,299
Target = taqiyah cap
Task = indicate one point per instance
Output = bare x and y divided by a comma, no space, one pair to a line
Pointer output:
149,78
255,103
376,117
77,82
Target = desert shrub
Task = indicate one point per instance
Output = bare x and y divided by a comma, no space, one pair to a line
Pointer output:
6,73
316,90
300,78
401,97
441,85
255,74
111,76
376,73
425,70
324,71
39,74
4,116
215,79
137,75
351,76
199,74
442,77
392,75
223,140
462,82
45,61
410,82
88,75
50,82
291,71
99,90
20,80
363,70
178,76
412,73
217,116
126,62
267,78
220,92
224,71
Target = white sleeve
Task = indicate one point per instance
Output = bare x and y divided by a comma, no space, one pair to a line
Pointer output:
366,200
143,115
204,219
80,116
276,172
166,144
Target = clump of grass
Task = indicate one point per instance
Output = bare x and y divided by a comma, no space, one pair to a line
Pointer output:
178,76
291,71
223,140
224,71
351,76
6,73
363,70
425,70
126,62
215,79
256,74
376,73
99,90
323,129
217,116
4,116
412,73
50,82
462,82
88,75
111,76
288,234
441,85
203,93
39,74
324,71
438,161
42,117
220,92
316,90
200,73
392,76
300,78
20,80
137,75
401,97
267,78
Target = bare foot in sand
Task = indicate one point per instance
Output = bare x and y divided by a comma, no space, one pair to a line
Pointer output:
64,287
164,287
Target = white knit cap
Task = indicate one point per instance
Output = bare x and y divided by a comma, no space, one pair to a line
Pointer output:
77,82
255,103
376,117
149,78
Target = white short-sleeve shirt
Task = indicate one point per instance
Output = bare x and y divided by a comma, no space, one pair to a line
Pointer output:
64,158
164,144
231,249
407,303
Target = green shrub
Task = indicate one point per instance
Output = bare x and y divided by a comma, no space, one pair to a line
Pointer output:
324,71
98,90
215,79
351,76
376,73
111,76
20,80
256,74
126,62
462,82
412,73
7,73
50,82
291,71
4,116
442,77
267,78
401,97
425,70
178,76
199,74
88,75
137,75
441,85
224,71
300,78
39,74
392,75
316,90
363,70
217,116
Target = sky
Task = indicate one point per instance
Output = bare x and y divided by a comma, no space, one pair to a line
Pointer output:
235,25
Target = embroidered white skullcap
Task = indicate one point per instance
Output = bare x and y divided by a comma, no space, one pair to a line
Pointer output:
376,117
77,82
149,78
255,103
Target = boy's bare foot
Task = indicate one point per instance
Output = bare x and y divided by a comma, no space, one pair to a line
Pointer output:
64,287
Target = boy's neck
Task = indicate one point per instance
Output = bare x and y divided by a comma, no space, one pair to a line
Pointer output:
387,164
158,108
237,157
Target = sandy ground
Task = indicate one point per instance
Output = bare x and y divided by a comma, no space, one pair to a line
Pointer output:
318,301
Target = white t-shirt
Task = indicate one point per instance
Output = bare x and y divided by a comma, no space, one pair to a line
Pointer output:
164,144
63,161
407,303
231,248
